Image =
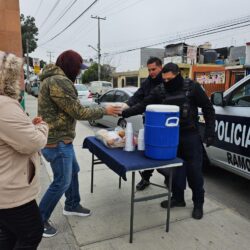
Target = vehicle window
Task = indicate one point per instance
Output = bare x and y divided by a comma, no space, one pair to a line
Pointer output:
105,84
81,87
35,83
108,97
121,96
241,97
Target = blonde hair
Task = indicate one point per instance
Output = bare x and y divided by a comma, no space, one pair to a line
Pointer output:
10,74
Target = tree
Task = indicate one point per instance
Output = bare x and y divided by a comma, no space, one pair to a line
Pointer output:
91,74
29,31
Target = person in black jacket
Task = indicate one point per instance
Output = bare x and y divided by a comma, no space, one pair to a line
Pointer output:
188,95
154,66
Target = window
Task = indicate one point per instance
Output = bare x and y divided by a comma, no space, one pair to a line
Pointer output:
241,96
108,97
121,96
81,87
106,84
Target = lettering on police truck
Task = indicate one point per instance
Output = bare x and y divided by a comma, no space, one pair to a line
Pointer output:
234,133
239,161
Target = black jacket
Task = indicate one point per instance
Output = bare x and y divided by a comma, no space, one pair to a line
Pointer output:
146,87
176,92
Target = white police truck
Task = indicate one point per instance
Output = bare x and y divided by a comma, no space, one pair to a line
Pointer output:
231,149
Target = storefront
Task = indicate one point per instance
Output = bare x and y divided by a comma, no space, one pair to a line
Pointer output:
211,77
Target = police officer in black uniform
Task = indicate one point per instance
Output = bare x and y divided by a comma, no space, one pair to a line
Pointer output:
154,66
188,95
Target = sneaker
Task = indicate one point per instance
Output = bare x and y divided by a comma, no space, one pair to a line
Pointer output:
142,185
173,203
49,230
197,212
78,211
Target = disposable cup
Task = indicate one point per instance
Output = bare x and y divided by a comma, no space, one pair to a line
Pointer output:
141,134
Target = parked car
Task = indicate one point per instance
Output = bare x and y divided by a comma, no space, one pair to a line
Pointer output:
32,86
100,87
84,94
117,96
231,149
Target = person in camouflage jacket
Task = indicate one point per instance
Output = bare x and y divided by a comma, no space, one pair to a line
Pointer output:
59,106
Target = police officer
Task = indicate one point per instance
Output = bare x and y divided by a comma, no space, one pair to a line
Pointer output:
188,95
154,66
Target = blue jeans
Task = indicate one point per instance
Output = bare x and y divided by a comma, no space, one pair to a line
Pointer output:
65,170
190,150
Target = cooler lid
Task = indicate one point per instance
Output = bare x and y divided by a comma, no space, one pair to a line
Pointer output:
162,108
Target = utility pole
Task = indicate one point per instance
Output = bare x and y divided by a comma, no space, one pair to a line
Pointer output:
99,45
27,59
49,54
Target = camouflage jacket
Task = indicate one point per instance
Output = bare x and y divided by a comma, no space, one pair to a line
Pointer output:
59,106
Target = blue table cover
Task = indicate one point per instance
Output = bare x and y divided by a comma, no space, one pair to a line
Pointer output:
121,161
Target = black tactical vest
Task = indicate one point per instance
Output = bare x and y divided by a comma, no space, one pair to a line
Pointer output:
182,97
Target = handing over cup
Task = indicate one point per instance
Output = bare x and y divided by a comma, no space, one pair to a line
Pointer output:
113,109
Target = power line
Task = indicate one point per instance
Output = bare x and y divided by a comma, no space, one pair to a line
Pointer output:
38,8
207,31
65,11
70,23
118,11
51,11
86,30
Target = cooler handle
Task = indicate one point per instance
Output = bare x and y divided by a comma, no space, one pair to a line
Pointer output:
170,122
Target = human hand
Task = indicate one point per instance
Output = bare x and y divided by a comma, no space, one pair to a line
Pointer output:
124,106
113,110
37,120
209,141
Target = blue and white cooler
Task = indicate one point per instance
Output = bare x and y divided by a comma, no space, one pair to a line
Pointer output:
161,131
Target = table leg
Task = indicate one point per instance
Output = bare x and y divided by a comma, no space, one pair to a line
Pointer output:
120,182
92,175
132,207
169,197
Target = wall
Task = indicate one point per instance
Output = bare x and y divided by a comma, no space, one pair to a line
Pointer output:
10,30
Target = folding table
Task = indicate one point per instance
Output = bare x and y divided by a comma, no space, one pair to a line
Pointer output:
122,162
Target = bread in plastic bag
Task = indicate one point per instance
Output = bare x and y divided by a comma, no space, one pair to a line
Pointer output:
111,139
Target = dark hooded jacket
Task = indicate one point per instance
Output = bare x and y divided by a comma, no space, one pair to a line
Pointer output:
146,87
189,96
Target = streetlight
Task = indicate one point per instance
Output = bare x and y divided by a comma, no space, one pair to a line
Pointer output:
92,47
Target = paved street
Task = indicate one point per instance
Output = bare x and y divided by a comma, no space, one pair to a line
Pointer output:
221,228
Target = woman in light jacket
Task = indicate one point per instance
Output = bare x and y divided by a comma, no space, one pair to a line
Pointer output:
21,226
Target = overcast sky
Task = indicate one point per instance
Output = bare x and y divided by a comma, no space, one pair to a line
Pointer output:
131,24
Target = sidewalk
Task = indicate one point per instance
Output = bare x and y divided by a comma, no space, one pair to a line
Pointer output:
108,226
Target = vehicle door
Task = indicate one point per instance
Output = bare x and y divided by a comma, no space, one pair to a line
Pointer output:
232,147
107,98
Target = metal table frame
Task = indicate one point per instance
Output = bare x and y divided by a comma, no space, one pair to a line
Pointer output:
96,161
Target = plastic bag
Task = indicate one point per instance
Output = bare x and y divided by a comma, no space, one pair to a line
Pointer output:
111,139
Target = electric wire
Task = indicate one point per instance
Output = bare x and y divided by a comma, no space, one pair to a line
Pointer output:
38,8
70,23
191,35
51,11
65,11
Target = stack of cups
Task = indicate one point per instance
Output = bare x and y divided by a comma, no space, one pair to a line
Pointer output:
141,144
129,141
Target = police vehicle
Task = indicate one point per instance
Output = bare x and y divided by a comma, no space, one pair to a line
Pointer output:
231,149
